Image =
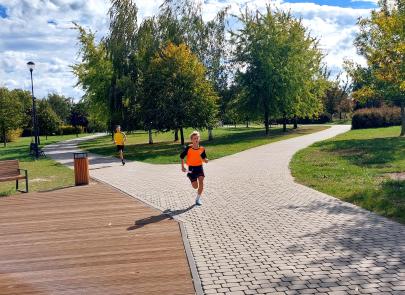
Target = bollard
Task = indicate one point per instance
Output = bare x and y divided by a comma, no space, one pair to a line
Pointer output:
81,164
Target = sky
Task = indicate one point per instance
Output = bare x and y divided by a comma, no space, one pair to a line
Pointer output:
41,31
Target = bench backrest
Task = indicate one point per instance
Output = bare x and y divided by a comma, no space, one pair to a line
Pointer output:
9,168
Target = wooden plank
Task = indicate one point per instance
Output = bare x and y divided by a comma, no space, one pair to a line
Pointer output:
89,240
9,168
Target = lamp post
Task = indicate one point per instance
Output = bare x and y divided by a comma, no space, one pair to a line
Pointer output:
31,67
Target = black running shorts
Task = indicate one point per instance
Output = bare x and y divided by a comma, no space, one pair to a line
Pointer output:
194,172
120,148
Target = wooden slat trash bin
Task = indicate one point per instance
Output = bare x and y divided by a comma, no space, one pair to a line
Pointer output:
81,164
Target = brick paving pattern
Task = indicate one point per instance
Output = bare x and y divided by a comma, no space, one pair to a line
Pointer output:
259,232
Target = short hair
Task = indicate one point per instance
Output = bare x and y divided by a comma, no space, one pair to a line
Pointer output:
195,132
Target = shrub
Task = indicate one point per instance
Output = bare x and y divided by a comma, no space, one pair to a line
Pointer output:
12,135
68,129
376,117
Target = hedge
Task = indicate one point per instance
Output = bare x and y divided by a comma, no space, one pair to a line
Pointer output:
376,117
66,130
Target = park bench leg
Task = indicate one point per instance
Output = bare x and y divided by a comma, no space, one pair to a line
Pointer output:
16,184
26,181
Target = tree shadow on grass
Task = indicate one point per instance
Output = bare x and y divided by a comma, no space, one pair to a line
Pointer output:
167,214
367,152
170,150
388,200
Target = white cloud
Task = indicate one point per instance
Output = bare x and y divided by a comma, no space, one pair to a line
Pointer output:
40,30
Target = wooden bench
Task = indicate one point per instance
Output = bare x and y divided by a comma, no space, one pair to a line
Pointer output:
10,170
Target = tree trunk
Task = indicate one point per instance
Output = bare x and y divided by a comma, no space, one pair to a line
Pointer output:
235,124
182,135
176,134
247,123
210,135
150,136
46,136
403,118
266,121
4,137
284,123
295,122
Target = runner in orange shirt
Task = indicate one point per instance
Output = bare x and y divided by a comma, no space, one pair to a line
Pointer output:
195,155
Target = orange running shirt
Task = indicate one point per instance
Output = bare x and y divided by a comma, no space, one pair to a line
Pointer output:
194,156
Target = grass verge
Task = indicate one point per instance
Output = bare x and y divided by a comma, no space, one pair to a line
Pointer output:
44,173
364,167
226,141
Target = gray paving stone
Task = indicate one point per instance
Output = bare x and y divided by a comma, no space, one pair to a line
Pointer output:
257,226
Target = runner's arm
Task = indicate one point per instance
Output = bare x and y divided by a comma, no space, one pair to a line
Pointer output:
182,156
204,157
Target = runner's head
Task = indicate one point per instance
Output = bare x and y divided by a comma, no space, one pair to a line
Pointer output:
195,137
118,128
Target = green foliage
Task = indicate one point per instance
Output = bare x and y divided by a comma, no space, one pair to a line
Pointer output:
60,105
337,99
48,120
177,93
11,113
376,117
94,73
381,41
78,116
282,72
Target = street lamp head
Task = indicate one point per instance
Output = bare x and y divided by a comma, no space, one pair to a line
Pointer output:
31,66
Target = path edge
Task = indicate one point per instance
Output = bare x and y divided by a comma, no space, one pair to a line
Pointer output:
183,232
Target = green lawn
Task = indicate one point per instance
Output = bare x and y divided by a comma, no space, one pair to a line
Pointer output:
44,174
227,141
356,167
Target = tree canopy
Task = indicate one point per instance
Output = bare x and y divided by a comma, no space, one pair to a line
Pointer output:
381,41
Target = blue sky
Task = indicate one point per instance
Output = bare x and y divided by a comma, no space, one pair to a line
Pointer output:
341,3
40,30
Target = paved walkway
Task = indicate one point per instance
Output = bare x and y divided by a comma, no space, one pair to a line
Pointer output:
260,232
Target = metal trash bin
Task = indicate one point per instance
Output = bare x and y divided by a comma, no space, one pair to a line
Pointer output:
81,164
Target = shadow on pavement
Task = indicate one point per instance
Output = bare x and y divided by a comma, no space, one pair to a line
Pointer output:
167,214
360,252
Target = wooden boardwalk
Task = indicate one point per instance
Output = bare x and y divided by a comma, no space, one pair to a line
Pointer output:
89,240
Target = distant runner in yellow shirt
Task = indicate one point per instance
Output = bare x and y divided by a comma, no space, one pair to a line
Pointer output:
119,139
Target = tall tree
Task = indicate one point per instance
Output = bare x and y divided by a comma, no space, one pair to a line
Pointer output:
381,41
121,45
48,121
181,21
178,95
60,105
78,116
11,113
281,65
94,74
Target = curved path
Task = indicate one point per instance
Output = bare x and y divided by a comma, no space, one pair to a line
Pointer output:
260,232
